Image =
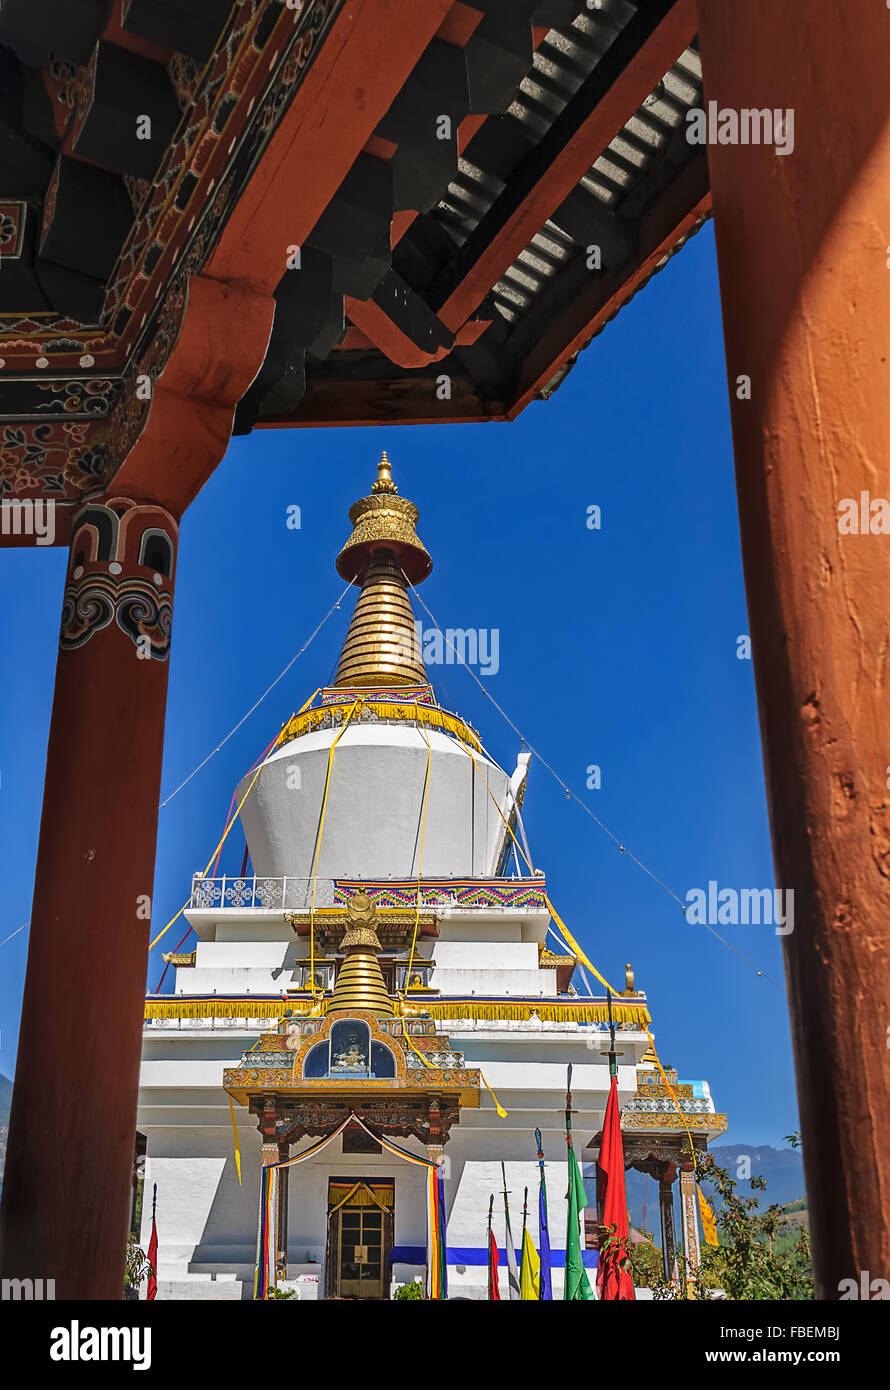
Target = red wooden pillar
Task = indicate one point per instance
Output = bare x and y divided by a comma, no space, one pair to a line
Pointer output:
66,1189
802,243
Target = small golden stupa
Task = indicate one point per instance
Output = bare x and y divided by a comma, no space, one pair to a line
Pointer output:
383,555
360,980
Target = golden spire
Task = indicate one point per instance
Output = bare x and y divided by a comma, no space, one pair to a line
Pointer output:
384,481
360,980
383,555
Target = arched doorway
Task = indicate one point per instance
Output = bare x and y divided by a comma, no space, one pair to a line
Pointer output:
360,1235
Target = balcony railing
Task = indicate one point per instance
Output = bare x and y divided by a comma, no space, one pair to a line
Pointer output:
295,894
290,893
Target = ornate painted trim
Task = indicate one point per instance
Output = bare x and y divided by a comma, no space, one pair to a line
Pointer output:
136,605
259,61
514,892
109,580
329,716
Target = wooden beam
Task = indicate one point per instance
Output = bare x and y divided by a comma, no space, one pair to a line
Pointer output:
408,400
362,66
66,1201
643,52
591,299
229,314
805,293
401,324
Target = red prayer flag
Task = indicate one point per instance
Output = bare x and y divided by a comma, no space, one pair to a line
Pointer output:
613,1281
152,1290
493,1290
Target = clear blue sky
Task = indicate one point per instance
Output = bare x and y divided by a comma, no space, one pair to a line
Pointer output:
617,647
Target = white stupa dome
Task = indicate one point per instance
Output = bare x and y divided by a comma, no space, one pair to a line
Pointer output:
409,789
374,815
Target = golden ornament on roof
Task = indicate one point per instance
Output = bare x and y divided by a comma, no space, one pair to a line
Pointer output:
384,555
384,520
360,983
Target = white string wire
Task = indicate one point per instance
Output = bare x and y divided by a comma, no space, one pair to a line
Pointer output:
14,933
574,797
256,706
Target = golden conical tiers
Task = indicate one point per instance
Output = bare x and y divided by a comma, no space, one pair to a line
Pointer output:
381,646
360,985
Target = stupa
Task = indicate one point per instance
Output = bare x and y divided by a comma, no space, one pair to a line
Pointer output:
380,994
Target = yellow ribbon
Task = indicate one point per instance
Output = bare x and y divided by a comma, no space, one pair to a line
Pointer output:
324,804
502,1113
225,836
573,946
708,1219
426,790
237,1145
569,939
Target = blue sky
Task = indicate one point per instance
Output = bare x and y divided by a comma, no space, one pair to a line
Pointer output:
617,647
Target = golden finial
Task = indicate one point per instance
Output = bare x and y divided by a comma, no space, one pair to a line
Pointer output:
359,983
629,980
384,522
384,481
383,556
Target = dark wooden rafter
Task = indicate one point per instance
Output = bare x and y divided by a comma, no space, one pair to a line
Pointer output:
581,302
473,64
643,51
407,398
561,322
131,115
186,26
371,273
398,315
118,119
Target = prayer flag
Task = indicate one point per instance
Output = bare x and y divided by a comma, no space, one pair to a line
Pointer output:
493,1290
546,1285
613,1280
529,1279
708,1219
151,1291
577,1285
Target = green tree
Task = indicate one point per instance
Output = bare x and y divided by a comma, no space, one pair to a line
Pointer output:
756,1258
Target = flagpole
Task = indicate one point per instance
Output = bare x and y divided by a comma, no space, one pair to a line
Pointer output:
577,1285
524,1217
490,1271
512,1271
567,1292
544,1290
151,1290
613,1065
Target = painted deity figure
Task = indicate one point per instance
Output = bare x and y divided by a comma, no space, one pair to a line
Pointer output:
352,1056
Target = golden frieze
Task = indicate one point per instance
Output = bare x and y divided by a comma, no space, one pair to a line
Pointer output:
633,1120
325,716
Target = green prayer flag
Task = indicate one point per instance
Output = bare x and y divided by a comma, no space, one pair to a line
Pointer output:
577,1285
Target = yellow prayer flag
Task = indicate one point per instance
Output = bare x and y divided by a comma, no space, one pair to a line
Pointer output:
708,1219
530,1278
